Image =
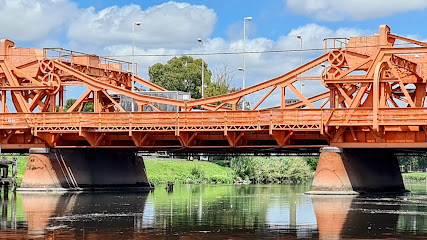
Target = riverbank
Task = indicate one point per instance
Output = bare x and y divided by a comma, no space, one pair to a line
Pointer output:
415,176
241,169
251,169
161,171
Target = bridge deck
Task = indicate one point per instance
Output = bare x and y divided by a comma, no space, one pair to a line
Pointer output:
278,128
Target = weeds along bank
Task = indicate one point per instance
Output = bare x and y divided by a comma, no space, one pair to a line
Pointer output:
162,171
272,169
415,176
251,169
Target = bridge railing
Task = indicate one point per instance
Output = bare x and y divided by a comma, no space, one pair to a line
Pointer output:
14,121
205,121
404,117
348,117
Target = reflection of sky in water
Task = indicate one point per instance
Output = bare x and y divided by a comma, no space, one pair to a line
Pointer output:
279,212
148,216
216,211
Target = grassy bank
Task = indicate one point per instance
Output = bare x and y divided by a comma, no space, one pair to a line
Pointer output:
272,169
181,171
415,176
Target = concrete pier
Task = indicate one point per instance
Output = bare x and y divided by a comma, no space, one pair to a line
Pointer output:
84,169
355,171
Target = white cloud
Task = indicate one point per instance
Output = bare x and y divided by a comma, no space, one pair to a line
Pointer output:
170,28
169,25
29,20
336,10
259,67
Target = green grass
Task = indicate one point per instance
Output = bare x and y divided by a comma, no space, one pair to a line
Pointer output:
163,171
181,171
415,176
22,165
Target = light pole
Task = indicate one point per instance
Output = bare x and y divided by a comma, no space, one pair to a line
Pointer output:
244,57
243,100
133,59
203,67
300,38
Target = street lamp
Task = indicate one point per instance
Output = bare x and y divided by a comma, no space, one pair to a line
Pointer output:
300,38
244,56
203,67
133,59
243,98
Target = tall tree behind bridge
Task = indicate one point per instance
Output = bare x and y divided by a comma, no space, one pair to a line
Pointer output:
181,74
221,81
185,74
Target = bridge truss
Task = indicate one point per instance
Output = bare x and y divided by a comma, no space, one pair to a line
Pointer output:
374,96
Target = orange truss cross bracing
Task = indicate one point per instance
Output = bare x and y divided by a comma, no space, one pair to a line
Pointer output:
374,97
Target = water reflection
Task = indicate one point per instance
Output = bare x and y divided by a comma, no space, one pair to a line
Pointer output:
331,214
212,212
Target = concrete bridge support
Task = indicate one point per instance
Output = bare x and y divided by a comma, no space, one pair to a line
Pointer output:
355,171
84,169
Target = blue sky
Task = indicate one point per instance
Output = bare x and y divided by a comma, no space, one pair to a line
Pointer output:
104,28
273,18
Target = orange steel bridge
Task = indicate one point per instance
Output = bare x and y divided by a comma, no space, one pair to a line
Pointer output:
374,91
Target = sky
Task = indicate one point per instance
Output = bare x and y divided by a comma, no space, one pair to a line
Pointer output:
105,28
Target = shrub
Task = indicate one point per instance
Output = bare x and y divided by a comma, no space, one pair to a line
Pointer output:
197,174
271,169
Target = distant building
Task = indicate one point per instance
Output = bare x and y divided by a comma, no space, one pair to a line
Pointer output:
291,101
126,102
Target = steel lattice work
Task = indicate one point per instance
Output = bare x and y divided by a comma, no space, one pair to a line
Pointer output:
374,97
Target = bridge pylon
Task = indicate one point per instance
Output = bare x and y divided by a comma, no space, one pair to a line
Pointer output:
355,171
84,169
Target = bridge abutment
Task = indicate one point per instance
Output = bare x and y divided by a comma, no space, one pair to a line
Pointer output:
84,169
355,171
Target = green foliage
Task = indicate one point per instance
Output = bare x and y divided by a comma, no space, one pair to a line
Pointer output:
223,163
22,165
182,171
197,174
415,176
181,74
271,169
185,74
416,162
88,107
312,162
221,81
215,89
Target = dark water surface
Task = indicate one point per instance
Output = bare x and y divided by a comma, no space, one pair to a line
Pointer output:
215,212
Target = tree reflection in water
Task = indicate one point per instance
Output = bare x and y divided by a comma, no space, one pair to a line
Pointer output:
212,212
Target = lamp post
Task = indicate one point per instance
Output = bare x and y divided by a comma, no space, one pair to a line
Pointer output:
300,38
133,59
203,67
244,57
243,72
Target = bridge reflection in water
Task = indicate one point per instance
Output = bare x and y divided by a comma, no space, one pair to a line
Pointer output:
211,212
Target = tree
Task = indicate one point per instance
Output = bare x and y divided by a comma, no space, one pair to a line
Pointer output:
416,162
220,84
88,107
181,74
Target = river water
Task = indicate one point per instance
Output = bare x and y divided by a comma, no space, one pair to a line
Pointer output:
215,212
